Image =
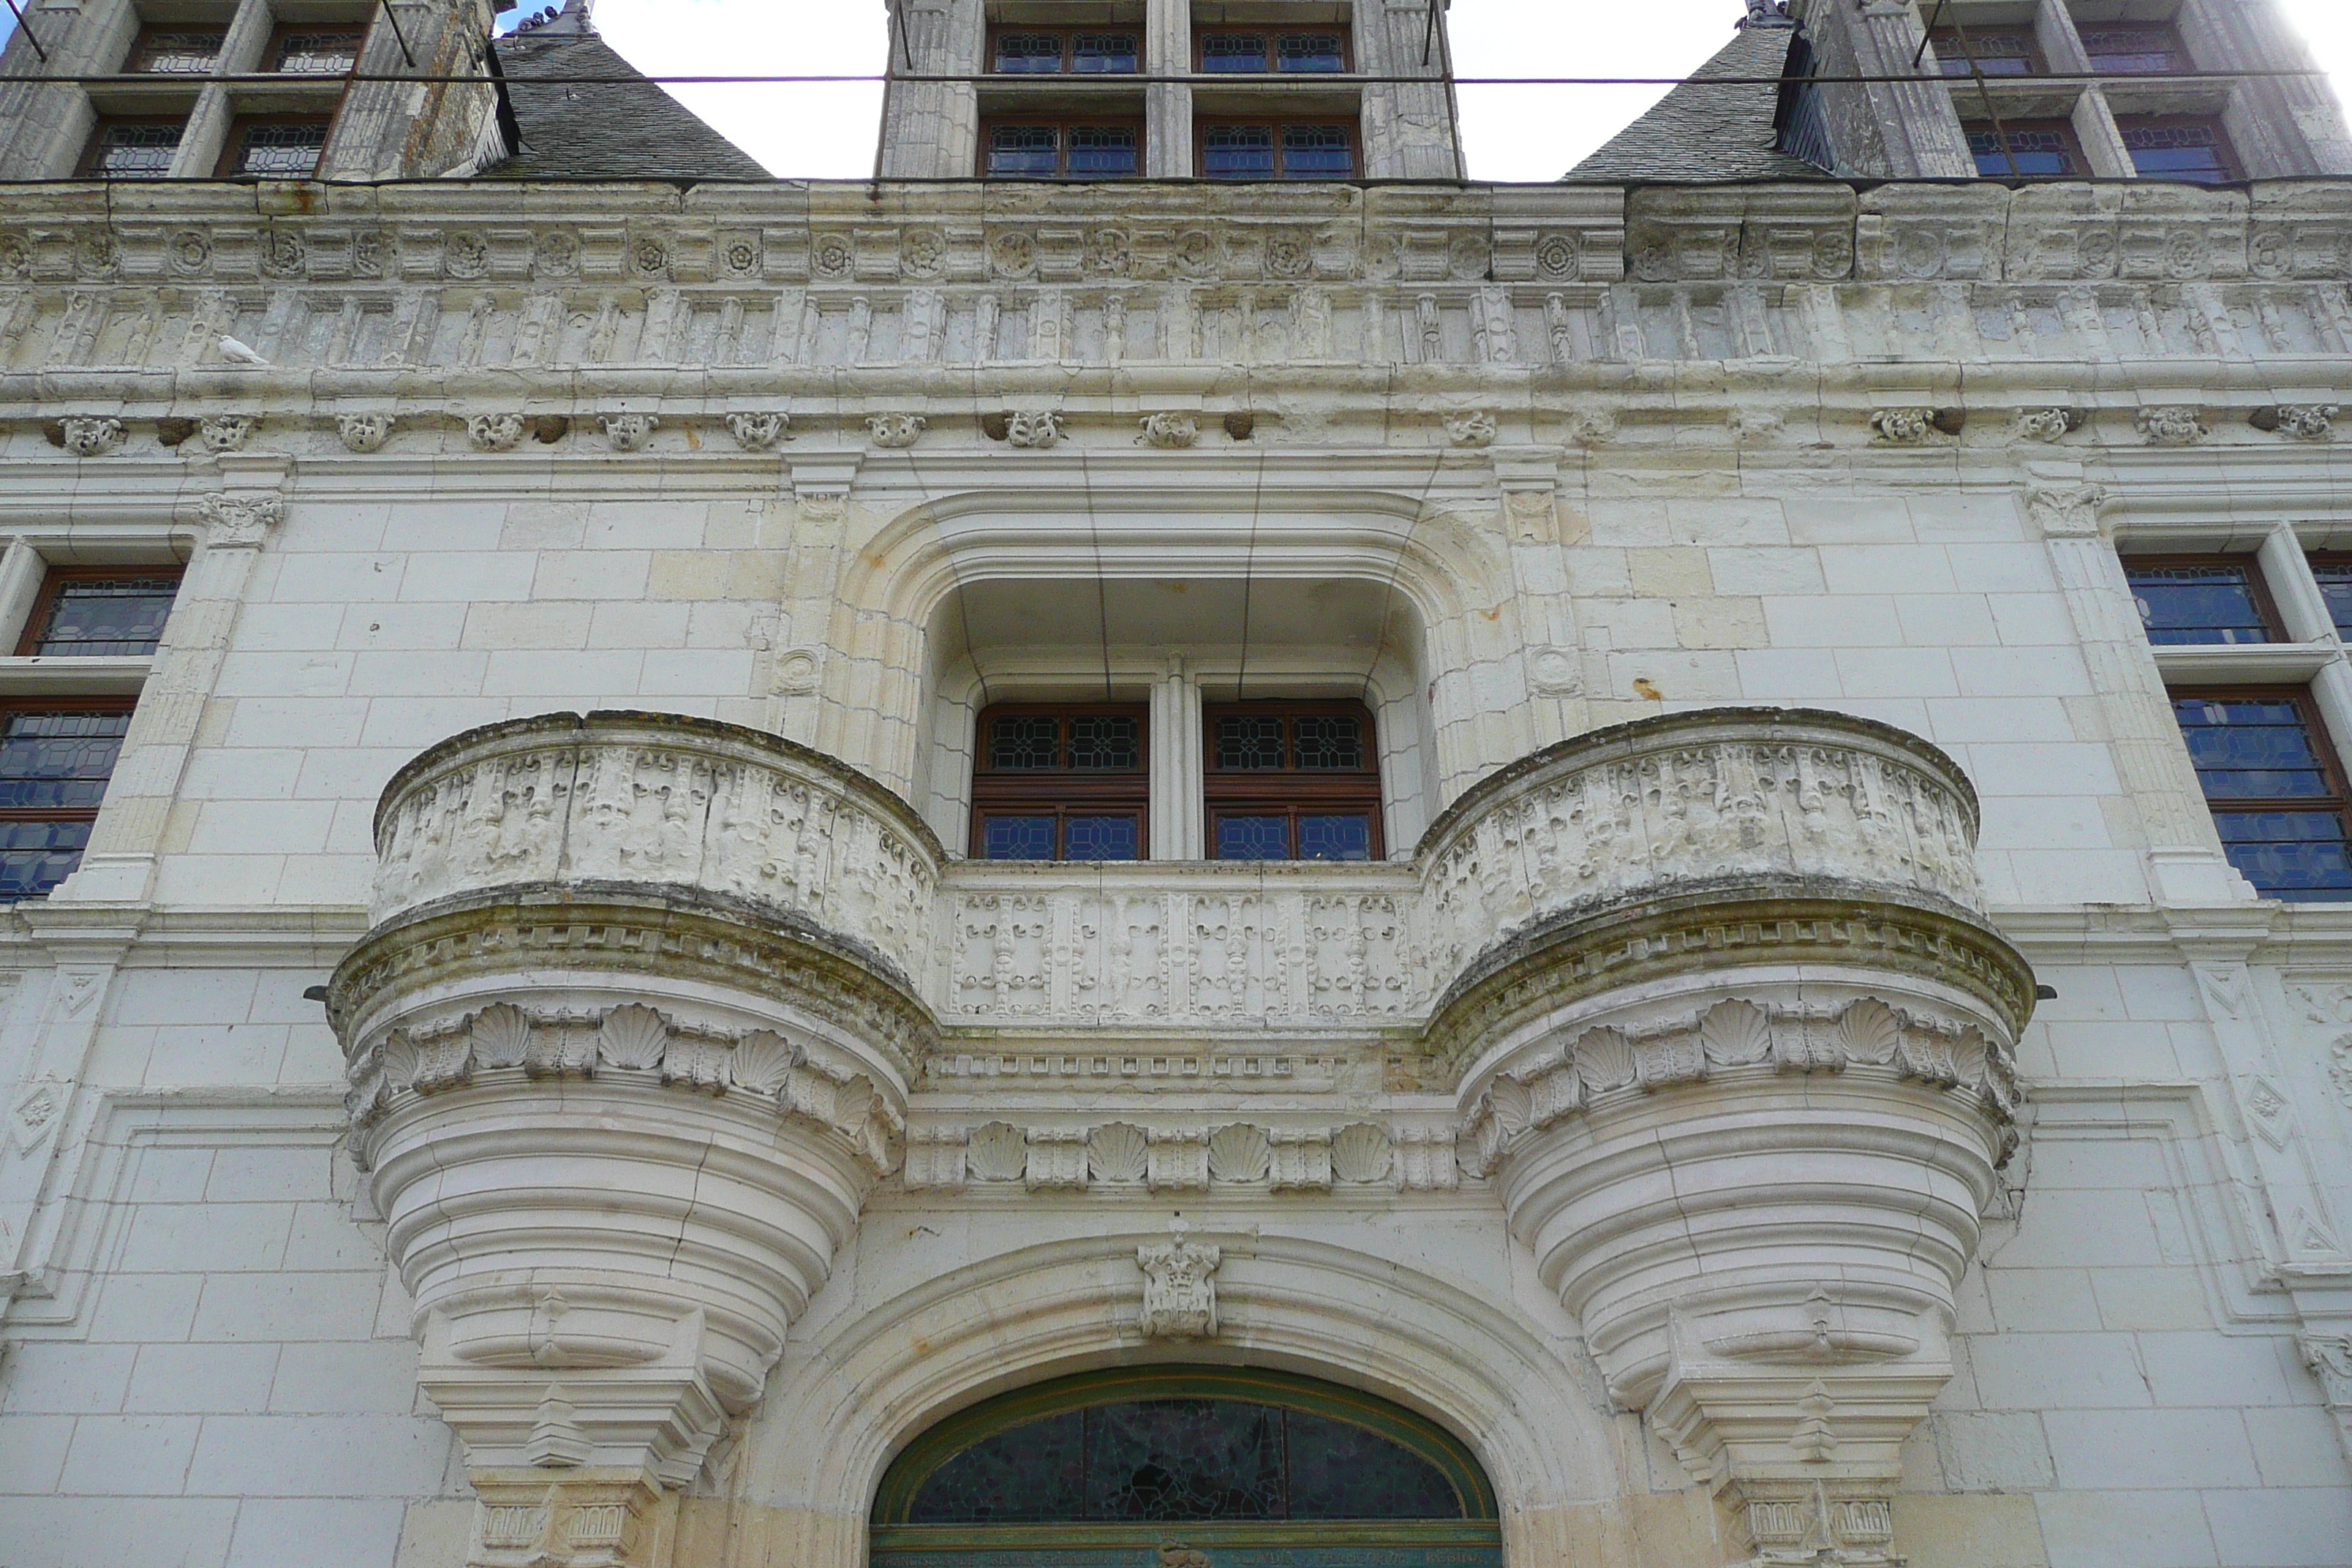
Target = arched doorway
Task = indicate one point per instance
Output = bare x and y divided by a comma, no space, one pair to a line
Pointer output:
1186,1468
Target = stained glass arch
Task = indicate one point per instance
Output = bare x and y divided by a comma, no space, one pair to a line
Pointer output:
1249,1468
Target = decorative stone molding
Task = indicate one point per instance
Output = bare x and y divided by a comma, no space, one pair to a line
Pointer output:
240,520
363,433
2067,512
896,430
1475,428
1743,1090
1122,1156
495,431
2047,423
2299,421
1034,428
1179,1288
2180,426
227,432
2329,1357
628,432
92,436
1171,432
700,932
1913,426
759,432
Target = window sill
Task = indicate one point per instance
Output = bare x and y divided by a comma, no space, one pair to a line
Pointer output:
20,677
2226,664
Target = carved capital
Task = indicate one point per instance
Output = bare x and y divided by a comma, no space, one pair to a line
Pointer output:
567,1518
2068,511
240,520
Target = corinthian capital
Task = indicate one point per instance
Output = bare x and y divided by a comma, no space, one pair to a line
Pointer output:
241,520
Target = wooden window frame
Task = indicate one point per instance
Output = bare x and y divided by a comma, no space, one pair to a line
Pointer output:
64,702
232,147
1062,126
1069,40
2066,129
2170,29
55,579
2258,588
2325,560
1060,793
1273,32
92,165
2323,744
359,29
1278,123
2036,63
2232,170
1291,790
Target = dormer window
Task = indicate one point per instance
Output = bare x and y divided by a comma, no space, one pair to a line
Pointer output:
176,51
2004,53
2141,49
281,147
133,150
1030,53
1239,53
315,51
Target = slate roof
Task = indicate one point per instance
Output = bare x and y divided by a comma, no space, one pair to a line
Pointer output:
1708,135
631,132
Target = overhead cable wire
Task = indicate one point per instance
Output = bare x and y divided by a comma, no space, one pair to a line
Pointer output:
27,29
1108,83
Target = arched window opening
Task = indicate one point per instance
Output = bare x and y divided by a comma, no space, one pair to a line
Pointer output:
1246,1467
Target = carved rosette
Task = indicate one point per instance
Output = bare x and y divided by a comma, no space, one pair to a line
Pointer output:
627,1046
1743,1068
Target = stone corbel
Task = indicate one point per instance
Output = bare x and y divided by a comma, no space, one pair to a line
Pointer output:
822,479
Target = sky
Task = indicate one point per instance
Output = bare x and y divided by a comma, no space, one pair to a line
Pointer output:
1510,132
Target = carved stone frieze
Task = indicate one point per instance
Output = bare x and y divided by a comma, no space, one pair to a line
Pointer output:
628,432
896,430
1475,428
494,432
2048,425
363,433
1034,427
757,432
227,432
2299,421
1171,432
2172,426
1121,1156
92,436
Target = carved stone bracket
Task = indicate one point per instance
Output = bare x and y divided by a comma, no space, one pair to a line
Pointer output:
759,432
227,432
896,430
1171,432
363,433
494,432
240,521
628,432
92,436
2180,426
2299,421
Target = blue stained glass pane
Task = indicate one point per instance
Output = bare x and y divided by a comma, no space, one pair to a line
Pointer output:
1309,52
1026,1475
2250,748
1233,52
1347,838
1104,53
1994,54
2175,153
1029,54
2197,605
2132,51
1022,742
52,760
1317,153
1024,150
117,617
1185,1458
1330,741
2300,855
1099,152
2031,152
1099,838
1253,839
2335,586
1017,838
1238,152
35,856
1243,742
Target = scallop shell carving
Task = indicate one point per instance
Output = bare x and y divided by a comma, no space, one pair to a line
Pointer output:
1119,1152
1604,1060
1736,1034
1238,1153
763,1060
1869,1032
852,1103
399,1063
1970,1053
1361,1152
502,1035
1514,1106
998,1152
633,1036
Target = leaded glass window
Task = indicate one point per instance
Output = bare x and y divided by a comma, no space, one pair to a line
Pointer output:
2334,576
1293,780
1029,54
1061,783
1310,52
1233,52
1107,53
277,149
1040,152
2270,776
133,150
86,615
2184,602
317,52
2192,149
177,51
2134,50
2034,150
55,758
1266,1465
2007,52
1318,149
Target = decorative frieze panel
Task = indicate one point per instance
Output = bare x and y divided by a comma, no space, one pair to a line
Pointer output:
1125,1158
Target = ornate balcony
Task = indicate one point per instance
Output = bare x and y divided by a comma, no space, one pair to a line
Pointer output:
635,1031
628,1044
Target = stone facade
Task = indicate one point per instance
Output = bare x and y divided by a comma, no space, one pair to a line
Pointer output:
525,1071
